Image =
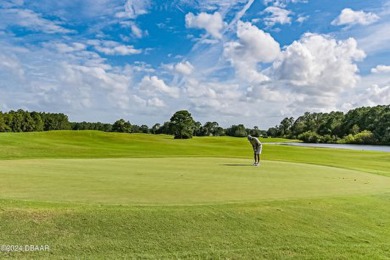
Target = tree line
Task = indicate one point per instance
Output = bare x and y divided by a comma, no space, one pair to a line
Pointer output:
24,121
181,125
364,125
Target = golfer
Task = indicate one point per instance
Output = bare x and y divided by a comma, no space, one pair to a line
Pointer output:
257,147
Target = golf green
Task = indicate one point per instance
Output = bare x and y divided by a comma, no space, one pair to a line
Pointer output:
177,181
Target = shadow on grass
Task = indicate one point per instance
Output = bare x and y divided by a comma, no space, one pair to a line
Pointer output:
236,164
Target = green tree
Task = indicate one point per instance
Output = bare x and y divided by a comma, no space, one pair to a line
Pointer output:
255,131
285,127
3,126
273,132
237,131
209,128
165,129
54,121
155,128
39,124
28,123
144,129
382,131
198,129
182,125
310,137
121,126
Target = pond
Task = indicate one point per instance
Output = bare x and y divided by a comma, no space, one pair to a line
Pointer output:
360,147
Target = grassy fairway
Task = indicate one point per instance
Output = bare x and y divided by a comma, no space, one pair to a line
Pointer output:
167,181
102,195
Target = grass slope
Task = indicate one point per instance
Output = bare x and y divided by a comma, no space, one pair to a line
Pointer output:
95,144
101,195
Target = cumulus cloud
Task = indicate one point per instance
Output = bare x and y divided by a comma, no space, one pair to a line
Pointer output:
69,81
152,86
67,48
277,16
253,46
206,96
212,23
318,59
351,17
319,67
156,102
184,68
374,95
113,48
381,69
85,81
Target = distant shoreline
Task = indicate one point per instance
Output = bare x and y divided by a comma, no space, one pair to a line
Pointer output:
360,147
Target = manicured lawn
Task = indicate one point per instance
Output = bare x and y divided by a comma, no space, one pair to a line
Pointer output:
170,181
101,195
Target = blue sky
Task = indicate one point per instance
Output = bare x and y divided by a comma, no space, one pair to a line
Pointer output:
233,61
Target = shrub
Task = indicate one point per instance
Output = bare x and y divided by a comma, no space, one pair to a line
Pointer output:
310,137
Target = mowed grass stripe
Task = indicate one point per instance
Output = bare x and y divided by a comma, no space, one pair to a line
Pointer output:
168,181
95,195
95,144
342,228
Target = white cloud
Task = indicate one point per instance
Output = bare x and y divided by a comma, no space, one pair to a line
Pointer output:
71,47
320,60
113,48
375,38
381,69
30,20
11,64
253,46
68,81
152,86
229,78
212,23
277,16
240,14
221,97
302,19
351,17
76,11
319,67
156,102
184,68
194,89
206,6
136,31
11,3
375,95
135,8
85,82
269,93
283,3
